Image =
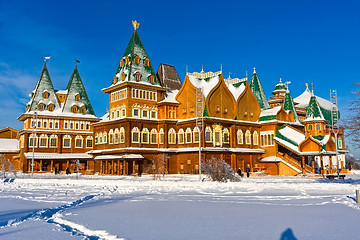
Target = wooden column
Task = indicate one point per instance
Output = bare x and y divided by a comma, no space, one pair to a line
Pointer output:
40,165
51,165
112,167
303,164
313,164
322,165
133,168
330,165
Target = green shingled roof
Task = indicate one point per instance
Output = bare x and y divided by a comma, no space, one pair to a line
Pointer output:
289,105
75,87
313,111
135,48
44,84
258,91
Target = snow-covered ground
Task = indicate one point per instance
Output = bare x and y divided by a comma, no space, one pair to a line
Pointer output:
178,207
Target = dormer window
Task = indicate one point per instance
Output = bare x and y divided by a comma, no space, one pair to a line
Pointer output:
147,62
77,97
46,95
245,113
137,60
123,76
41,107
83,109
137,76
225,110
152,79
127,60
51,107
74,109
121,62
218,108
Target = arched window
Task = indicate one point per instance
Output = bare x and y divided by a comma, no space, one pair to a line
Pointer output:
188,135
247,137
116,136
137,60
181,136
240,136
127,60
226,135
208,134
123,76
196,134
317,126
255,138
152,79
145,135
137,76
78,141
83,110
172,136
53,141
121,62
122,135
146,62
46,94
43,141
154,136
41,107
77,97
135,133
111,136
104,140
217,136
67,141
74,109
310,127
51,107
89,142
32,140
161,136
340,143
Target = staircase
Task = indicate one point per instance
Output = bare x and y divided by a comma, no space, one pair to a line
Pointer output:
295,163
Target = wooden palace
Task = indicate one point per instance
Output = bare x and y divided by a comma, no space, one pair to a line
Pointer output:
156,121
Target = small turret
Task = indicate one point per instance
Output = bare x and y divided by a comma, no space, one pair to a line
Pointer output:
315,123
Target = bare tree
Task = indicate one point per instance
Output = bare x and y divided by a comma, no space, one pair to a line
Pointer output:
159,166
352,122
218,170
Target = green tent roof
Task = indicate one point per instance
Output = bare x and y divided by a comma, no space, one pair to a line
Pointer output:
76,87
258,91
135,49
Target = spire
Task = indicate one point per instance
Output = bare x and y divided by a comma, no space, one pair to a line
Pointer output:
258,91
135,64
313,111
289,104
76,96
38,97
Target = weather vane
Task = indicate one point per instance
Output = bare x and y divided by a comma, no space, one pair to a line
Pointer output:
135,24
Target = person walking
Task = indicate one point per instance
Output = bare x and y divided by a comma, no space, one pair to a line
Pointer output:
248,171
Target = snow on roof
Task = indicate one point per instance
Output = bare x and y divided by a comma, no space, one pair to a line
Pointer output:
236,91
287,144
277,159
9,145
62,91
44,155
206,84
170,98
126,156
304,99
270,111
292,134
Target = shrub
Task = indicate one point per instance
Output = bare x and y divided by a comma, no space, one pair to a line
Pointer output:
218,170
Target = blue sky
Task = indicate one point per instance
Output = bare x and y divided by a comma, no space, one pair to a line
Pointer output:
300,41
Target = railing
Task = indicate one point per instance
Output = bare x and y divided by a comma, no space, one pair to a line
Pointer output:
294,162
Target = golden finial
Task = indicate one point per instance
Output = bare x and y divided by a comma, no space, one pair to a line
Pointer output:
307,85
135,24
